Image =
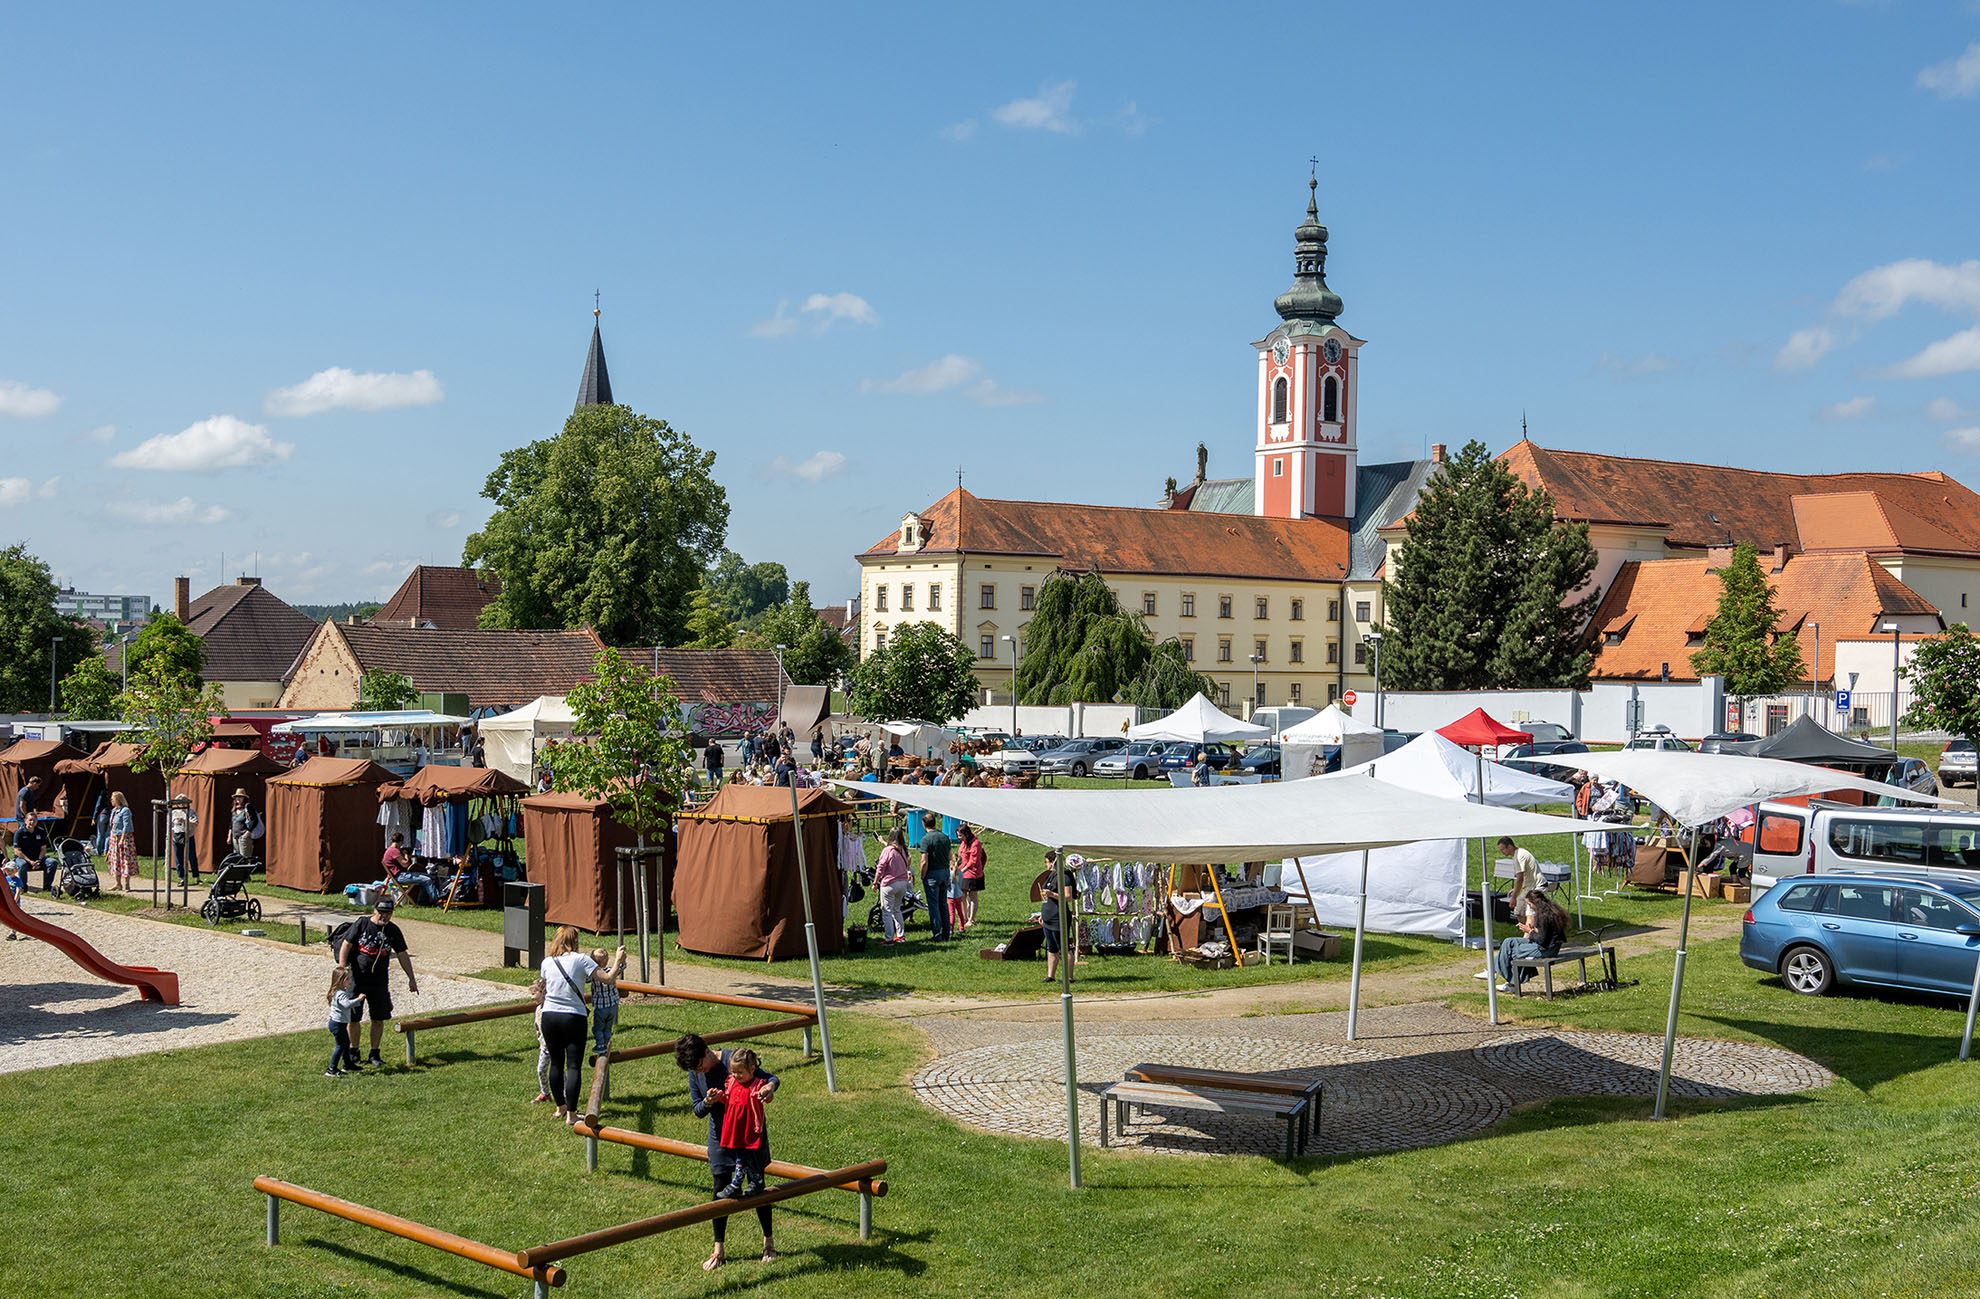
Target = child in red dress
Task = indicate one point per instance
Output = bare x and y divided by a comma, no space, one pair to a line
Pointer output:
745,1139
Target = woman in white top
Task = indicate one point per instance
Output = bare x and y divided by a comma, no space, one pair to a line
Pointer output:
566,972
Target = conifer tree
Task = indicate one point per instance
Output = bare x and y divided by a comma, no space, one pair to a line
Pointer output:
1737,639
705,623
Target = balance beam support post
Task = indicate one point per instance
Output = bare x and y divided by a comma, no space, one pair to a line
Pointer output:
807,1043
865,1216
274,1221
409,1048
591,1154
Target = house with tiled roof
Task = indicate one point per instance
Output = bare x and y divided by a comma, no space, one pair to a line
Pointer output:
251,637
725,691
495,669
440,596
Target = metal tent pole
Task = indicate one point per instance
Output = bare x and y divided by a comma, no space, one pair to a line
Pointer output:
1360,928
1068,949
1578,894
1972,1003
1677,977
811,945
1485,906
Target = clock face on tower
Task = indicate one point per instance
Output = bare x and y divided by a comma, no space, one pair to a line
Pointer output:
1332,351
1281,349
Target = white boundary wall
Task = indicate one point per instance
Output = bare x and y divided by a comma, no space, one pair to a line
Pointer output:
1599,715
1075,720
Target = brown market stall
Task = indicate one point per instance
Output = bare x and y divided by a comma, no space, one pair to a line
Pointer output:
24,759
736,886
107,771
461,823
323,830
574,845
209,780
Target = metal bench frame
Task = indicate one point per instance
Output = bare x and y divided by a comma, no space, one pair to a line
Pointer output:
1127,1096
1544,966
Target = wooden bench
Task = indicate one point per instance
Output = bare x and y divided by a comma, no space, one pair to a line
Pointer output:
1165,1096
1224,1080
1544,966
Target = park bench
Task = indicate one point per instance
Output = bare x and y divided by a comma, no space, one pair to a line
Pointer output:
1167,1096
1601,953
1224,1080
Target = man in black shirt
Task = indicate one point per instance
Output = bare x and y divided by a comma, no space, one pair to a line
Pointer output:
714,757
935,849
369,949
31,842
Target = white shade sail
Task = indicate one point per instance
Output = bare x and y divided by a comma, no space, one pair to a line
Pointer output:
1298,818
543,711
1699,788
1431,764
1199,722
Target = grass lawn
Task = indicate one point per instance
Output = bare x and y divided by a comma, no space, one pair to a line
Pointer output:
136,1179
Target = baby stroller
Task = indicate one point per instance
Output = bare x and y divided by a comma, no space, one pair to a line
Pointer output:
77,877
911,903
226,900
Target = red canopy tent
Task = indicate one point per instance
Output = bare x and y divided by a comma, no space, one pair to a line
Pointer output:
1478,728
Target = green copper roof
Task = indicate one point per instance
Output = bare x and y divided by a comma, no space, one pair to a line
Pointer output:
1309,299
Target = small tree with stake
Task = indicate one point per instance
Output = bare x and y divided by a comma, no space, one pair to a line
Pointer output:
169,714
1945,680
385,692
632,753
1741,643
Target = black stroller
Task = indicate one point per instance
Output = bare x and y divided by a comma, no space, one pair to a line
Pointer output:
77,877
227,900
913,902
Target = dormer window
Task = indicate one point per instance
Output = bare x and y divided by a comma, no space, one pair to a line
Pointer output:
1281,399
912,533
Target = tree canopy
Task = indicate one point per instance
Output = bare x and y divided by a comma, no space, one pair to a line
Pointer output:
610,524
165,638
924,673
169,714
744,591
384,692
1944,675
30,630
1081,646
632,748
1482,592
707,628
814,654
1740,641
89,692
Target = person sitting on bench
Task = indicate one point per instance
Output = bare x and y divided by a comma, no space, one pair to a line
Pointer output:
1542,929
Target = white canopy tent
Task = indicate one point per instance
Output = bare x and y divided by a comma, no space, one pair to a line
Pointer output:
1416,888
923,739
1695,789
1200,722
1300,745
513,740
339,723
1214,825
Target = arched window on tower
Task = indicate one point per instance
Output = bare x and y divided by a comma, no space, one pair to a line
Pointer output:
1330,401
1280,392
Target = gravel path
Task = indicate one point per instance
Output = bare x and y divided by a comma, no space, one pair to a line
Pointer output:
52,1012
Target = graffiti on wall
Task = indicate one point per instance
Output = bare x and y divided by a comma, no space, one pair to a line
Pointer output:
730,719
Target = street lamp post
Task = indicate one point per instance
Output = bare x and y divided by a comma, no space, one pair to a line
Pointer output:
1896,655
780,683
1374,638
1255,661
53,642
1815,668
1014,667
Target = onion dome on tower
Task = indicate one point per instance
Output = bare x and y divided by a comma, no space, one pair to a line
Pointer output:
1309,299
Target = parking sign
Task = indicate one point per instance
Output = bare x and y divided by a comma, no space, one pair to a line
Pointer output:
1842,701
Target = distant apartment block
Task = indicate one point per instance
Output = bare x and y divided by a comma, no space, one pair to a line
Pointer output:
104,608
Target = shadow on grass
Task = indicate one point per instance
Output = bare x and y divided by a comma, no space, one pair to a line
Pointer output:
1863,1058
419,1275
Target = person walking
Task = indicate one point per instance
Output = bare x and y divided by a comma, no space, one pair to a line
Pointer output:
712,757
121,849
346,1008
369,948
891,876
102,819
564,975
970,860
936,851
179,823
240,826
817,747
708,1085
1049,914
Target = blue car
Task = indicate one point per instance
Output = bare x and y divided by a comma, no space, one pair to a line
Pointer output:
1893,931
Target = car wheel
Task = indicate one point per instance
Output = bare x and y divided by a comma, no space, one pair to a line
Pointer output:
1807,971
1079,769
1141,773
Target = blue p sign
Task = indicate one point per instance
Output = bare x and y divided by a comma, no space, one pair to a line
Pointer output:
1842,701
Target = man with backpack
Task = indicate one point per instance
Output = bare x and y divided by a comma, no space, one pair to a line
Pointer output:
369,945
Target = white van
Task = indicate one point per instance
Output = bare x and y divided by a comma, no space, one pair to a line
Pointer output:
1826,838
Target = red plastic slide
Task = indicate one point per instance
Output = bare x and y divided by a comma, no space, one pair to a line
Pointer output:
153,985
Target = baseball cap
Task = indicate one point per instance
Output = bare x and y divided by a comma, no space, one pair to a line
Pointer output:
384,902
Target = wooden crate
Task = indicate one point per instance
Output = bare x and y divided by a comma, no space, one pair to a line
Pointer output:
1706,885
1740,893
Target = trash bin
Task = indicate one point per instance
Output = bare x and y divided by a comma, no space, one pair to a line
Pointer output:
522,924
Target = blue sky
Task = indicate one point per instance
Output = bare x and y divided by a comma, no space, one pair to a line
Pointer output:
286,281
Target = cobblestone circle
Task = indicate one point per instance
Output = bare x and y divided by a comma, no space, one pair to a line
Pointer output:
1625,1064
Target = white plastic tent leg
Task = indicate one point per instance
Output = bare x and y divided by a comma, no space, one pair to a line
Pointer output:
1485,906
1972,1003
1068,953
1578,895
1360,928
1677,978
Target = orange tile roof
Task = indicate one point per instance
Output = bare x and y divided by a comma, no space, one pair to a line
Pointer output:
1127,539
1702,505
1659,603
446,597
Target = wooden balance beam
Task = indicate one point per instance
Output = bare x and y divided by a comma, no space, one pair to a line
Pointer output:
807,1014
405,1228
601,1065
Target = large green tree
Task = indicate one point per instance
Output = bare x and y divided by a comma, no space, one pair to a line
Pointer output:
925,674
1081,646
745,591
1741,643
814,654
90,690
31,630
609,524
1944,675
707,627
1483,591
165,638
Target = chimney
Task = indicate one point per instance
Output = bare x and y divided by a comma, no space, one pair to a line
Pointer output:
182,598
1780,555
1436,453
247,581
1717,557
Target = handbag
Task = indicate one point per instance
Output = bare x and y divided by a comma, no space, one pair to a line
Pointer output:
856,893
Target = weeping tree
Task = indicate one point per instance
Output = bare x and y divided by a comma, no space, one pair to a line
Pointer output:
1081,646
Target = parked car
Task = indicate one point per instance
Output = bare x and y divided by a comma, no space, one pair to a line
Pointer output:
1832,838
1657,737
1076,757
1956,764
1013,760
1393,740
1893,931
1182,757
1142,759
1542,733
1263,760
1914,775
1530,757
1717,741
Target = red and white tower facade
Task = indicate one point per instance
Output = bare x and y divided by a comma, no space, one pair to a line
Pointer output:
1307,376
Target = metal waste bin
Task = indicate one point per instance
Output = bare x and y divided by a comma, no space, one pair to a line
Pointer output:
522,924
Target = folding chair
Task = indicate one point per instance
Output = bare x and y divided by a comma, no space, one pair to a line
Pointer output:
1281,929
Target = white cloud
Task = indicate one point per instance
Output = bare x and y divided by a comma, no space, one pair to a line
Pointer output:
1048,110
222,442
101,433
778,325
445,518
960,131
947,372
1854,408
1963,439
1649,363
46,491
1956,78
183,511
824,311
1954,355
987,393
18,401
1945,410
1883,291
1805,347
341,389
1131,119
15,491
813,468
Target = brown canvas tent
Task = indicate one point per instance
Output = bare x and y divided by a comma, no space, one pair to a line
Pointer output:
737,878
443,784
107,770
573,843
323,830
24,759
235,735
209,780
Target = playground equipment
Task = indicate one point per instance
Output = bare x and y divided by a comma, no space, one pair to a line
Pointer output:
161,986
405,1228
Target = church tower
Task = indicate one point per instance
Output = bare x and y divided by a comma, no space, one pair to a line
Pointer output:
1304,460
595,389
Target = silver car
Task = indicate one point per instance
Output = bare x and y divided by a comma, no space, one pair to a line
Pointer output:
1077,757
1956,766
